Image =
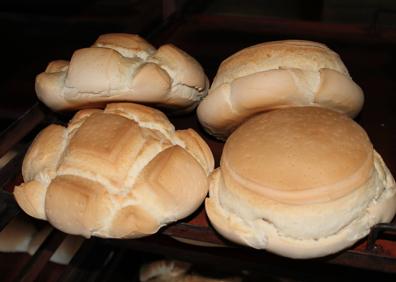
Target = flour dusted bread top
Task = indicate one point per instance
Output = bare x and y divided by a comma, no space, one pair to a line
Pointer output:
119,172
275,75
123,68
301,182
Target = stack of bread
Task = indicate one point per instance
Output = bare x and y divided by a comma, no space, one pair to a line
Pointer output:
122,171
297,176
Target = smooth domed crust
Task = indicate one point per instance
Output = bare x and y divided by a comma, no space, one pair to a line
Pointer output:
299,154
119,172
307,55
276,75
300,182
300,231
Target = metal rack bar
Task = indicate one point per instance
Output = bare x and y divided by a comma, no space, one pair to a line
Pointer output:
21,127
375,232
40,259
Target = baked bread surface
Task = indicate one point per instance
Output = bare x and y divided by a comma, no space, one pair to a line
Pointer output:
276,75
300,182
119,172
176,271
123,68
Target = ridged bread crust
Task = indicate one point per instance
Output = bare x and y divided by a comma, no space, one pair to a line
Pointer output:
307,184
119,172
123,68
276,75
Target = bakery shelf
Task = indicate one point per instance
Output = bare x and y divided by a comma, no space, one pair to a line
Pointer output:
368,53
379,256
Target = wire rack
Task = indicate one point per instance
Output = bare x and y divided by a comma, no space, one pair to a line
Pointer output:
377,252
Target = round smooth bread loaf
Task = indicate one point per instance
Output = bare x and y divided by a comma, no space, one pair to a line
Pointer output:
121,172
123,68
276,75
301,182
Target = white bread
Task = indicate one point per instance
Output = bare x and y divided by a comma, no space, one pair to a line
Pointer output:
175,271
301,182
276,75
123,68
119,172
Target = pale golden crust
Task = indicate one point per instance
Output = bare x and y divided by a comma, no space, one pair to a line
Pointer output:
126,44
44,153
123,68
276,75
175,271
150,117
158,269
76,205
176,62
198,148
31,196
133,222
300,167
165,186
299,154
248,218
306,55
120,172
105,145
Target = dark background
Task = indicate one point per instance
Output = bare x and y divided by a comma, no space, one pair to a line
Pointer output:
36,32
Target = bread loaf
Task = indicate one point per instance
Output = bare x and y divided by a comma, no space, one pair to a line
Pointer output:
276,75
123,68
301,182
176,271
119,172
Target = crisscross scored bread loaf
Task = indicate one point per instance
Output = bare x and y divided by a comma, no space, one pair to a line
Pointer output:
119,172
301,182
275,75
123,68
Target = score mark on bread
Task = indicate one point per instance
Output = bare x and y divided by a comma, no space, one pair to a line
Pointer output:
123,68
275,75
119,172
